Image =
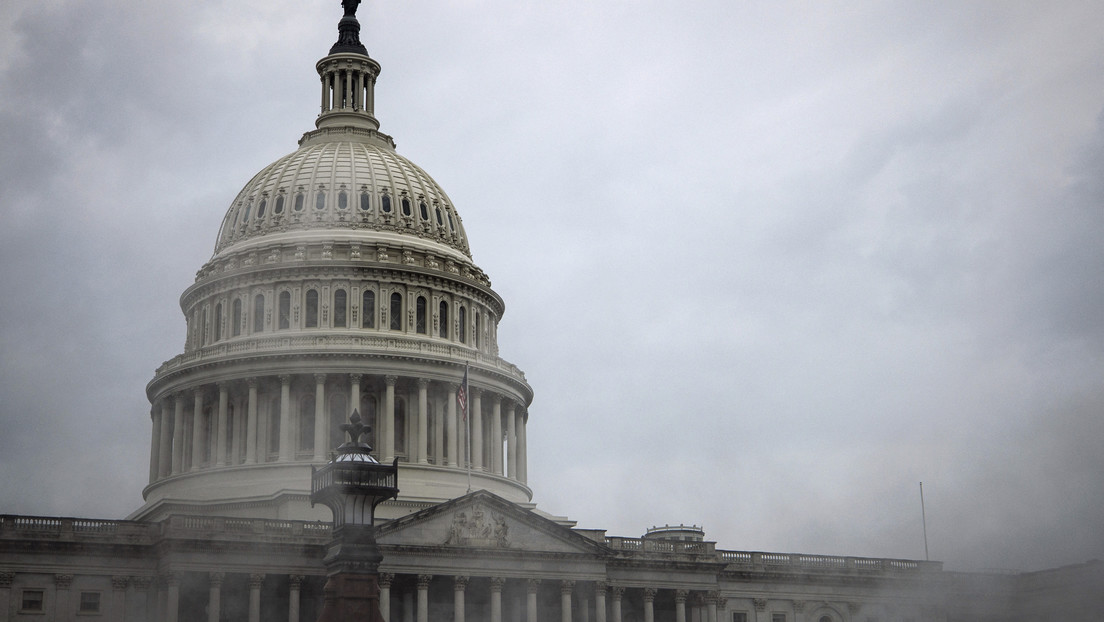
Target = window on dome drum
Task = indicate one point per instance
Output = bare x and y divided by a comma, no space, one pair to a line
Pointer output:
440,221
365,202
442,330
320,200
312,309
285,310
424,210
89,602
235,318
368,414
279,207
342,200
478,329
261,208
33,600
258,313
218,322
420,315
341,301
306,423
368,309
400,427
460,316
299,202
396,311
274,426
339,415
385,204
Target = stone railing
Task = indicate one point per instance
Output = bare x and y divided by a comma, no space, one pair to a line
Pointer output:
396,343
64,528
652,545
800,561
217,527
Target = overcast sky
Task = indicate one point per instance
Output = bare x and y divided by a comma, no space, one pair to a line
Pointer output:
767,265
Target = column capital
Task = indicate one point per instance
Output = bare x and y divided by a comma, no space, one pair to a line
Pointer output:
760,604
453,387
256,579
680,595
497,583
423,383
601,587
460,582
712,597
119,583
423,581
532,585
320,378
142,583
252,382
476,391
295,581
799,606
385,579
355,378
223,385
214,579
567,586
170,579
6,578
649,594
618,591
285,379
854,607
390,380
63,581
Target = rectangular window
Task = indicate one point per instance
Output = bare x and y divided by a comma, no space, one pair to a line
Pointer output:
89,602
778,617
739,616
32,600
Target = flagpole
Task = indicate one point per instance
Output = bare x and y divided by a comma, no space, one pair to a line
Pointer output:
467,421
924,520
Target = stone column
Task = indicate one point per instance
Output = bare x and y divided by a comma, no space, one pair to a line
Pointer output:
450,422
477,428
799,611
680,605
221,430
523,463
385,579
421,435
618,592
584,607
295,584
600,601
251,423
387,425
164,453
439,435
496,436
286,429
178,436
711,606
255,581
496,598
155,445
531,589
214,595
760,608
408,606
321,419
172,600
566,588
6,579
199,431
423,597
459,585
354,398
149,602
511,441
649,604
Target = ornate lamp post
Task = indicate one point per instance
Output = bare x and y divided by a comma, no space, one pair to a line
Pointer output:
352,484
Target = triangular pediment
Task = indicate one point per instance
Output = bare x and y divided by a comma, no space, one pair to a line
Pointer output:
483,520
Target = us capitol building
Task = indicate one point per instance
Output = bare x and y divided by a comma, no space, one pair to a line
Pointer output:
342,280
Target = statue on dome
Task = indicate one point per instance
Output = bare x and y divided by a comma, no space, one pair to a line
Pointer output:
350,7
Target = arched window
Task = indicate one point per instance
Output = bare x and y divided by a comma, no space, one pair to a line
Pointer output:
339,414
368,309
442,330
365,201
341,302
406,206
258,313
451,226
396,311
400,427
312,309
342,200
385,204
245,213
420,315
368,415
423,210
235,318
279,208
306,423
285,310
299,202
218,322
461,316
478,328
274,426
440,221
261,208
320,200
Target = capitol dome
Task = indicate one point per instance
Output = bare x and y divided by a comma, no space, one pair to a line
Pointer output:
341,280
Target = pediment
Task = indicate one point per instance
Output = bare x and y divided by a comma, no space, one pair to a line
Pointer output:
482,520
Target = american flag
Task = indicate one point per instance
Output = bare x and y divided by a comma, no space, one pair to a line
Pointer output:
462,395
